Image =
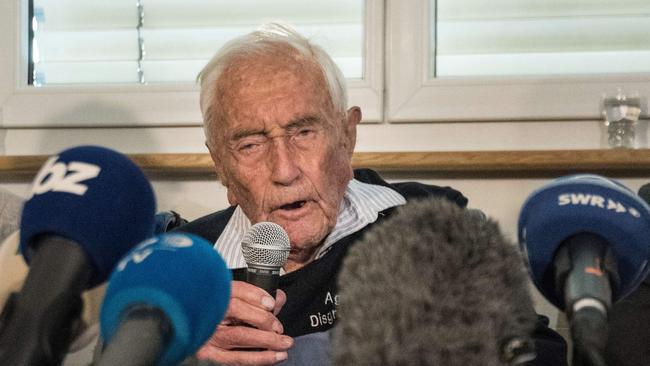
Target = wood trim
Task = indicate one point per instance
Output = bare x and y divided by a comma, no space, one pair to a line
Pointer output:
477,164
525,163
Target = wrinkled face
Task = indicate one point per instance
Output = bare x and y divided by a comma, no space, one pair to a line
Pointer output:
283,153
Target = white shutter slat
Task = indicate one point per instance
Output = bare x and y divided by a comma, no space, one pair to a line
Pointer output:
106,45
539,35
89,72
192,13
573,63
512,9
183,70
339,40
87,14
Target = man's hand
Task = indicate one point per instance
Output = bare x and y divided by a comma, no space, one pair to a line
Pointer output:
250,322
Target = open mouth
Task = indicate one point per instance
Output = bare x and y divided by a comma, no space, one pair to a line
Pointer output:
293,206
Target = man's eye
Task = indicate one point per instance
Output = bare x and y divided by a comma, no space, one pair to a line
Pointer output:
306,132
249,148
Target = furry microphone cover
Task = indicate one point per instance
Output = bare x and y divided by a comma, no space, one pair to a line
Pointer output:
433,285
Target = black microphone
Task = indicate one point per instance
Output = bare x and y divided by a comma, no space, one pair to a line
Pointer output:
265,248
434,284
89,206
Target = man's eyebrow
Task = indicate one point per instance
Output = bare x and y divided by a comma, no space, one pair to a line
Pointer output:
303,121
237,135
309,120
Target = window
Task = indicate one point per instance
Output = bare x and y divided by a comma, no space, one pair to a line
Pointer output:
504,60
407,61
134,63
156,41
538,37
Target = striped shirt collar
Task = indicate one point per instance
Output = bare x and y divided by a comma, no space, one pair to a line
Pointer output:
361,205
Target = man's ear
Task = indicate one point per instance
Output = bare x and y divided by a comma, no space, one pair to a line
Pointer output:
219,168
353,117
218,165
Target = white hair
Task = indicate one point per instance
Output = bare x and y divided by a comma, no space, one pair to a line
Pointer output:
266,39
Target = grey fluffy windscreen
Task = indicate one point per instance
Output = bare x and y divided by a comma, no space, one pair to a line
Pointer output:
433,285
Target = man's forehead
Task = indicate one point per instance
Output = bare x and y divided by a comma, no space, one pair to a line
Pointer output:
259,95
249,84
271,64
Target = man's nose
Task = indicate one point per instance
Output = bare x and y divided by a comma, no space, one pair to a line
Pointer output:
284,167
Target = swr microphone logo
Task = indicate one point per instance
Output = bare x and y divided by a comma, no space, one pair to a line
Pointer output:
597,201
61,177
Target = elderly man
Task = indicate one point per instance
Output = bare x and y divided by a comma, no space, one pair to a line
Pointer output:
281,138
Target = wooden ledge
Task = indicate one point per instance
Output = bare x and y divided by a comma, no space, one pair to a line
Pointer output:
463,164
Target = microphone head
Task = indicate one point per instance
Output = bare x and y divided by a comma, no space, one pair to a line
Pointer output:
266,245
95,197
180,274
433,285
585,203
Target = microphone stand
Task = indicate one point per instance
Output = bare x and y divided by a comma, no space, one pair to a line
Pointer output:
38,323
584,265
140,338
589,334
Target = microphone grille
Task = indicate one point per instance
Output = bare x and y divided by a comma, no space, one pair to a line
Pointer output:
266,244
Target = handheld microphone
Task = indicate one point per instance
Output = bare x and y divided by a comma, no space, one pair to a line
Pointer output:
265,248
89,205
163,301
434,284
586,240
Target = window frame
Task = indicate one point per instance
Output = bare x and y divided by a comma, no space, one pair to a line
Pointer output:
414,97
141,105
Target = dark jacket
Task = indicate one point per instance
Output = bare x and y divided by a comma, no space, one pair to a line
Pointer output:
628,338
312,291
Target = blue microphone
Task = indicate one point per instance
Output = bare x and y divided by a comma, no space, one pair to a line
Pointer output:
94,196
163,301
586,241
89,205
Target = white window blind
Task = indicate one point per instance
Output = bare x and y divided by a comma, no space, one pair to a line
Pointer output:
513,60
539,37
165,41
